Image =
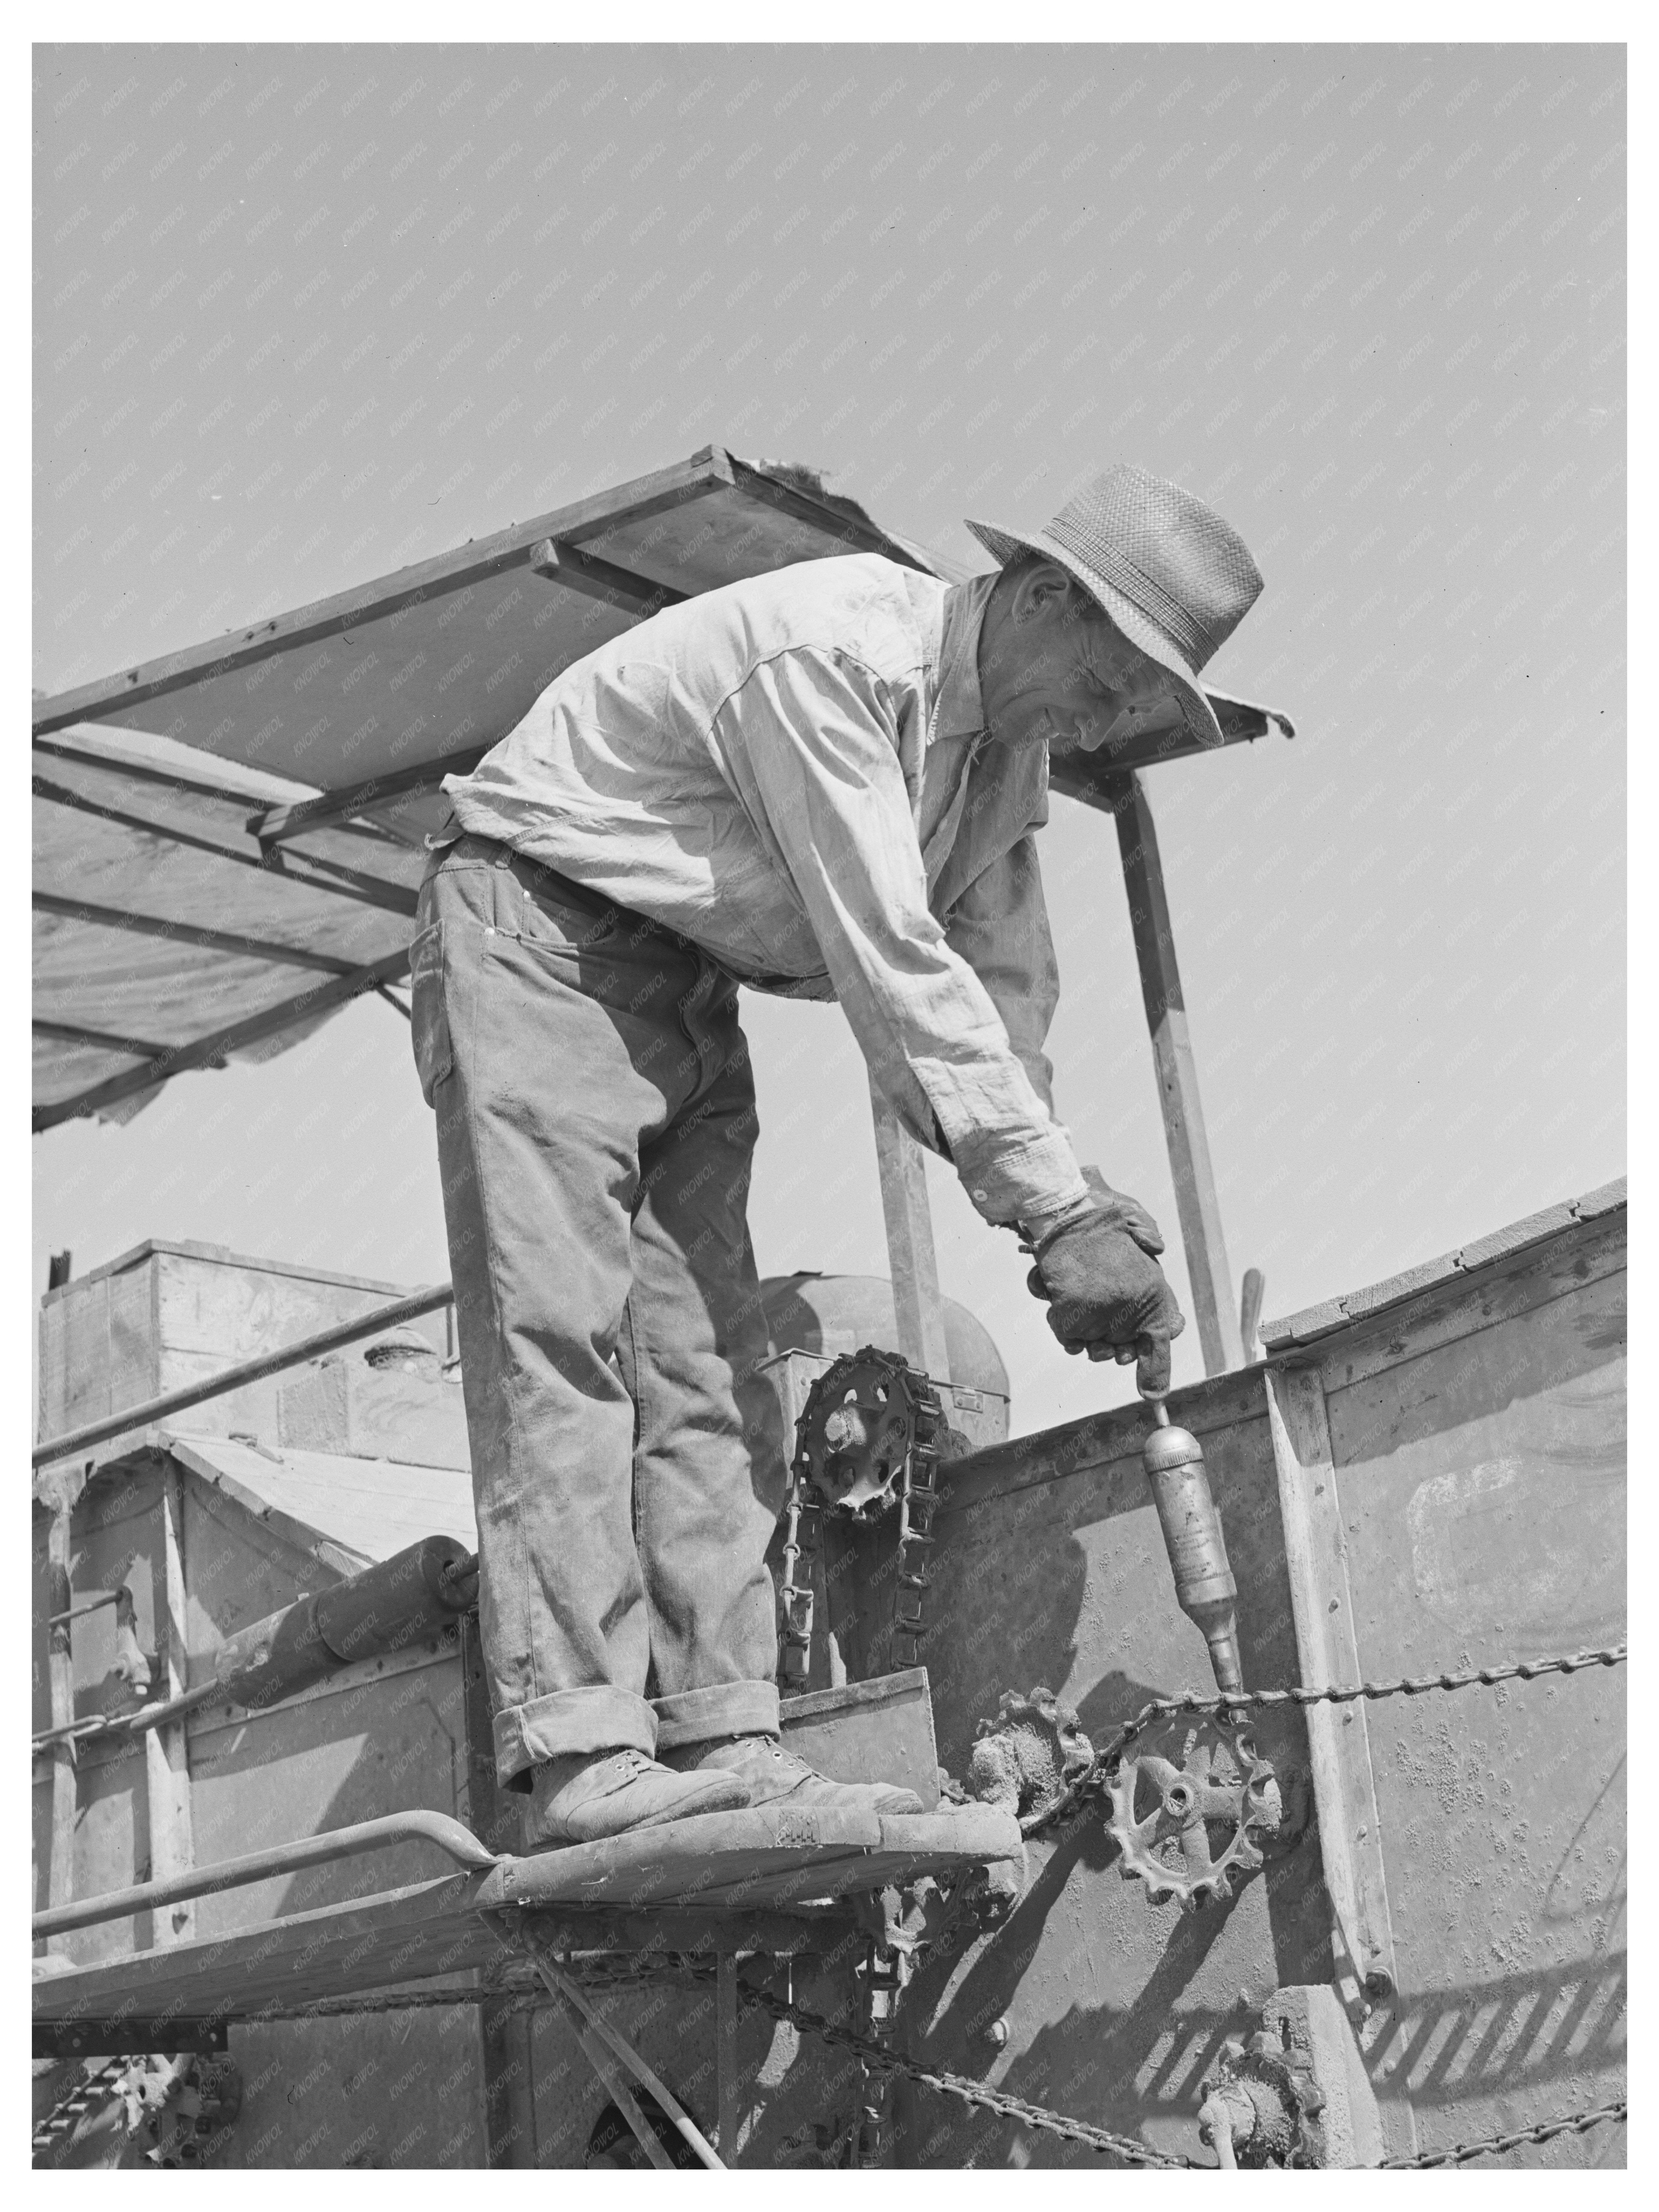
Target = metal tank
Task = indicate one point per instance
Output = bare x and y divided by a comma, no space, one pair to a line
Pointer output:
825,1316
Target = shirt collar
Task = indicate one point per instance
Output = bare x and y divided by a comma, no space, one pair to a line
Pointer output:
960,712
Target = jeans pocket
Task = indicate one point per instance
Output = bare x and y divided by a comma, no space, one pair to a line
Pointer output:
539,916
434,1056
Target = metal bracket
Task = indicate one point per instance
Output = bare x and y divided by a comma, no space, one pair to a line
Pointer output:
134,2032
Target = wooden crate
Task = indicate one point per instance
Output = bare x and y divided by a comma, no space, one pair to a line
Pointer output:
165,1315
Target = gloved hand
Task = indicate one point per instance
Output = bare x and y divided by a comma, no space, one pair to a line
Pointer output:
1108,1295
1101,1200
1125,1212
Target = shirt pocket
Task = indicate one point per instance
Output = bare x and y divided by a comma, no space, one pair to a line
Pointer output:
434,1056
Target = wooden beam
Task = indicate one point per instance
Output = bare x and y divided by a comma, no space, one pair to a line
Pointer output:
186,932
337,881
910,1254
276,823
1214,1306
178,1058
105,1040
1094,778
205,777
847,530
523,1934
167,1757
386,596
611,2077
618,587
1339,1741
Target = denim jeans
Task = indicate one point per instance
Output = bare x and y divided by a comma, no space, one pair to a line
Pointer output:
596,1124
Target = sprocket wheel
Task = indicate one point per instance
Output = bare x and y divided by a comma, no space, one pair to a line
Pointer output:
863,1418
1027,1760
1185,1804
1262,2105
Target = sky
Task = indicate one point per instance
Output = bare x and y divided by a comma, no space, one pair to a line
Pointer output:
302,315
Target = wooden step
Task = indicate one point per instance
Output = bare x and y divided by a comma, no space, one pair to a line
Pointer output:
759,1880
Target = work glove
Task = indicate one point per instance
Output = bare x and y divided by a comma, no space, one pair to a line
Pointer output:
1108,1295
1124,1212
1102,1202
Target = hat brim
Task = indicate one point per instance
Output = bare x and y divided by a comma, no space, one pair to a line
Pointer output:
1004,546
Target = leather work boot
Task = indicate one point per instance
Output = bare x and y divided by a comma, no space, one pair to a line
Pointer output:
772,1776
590,1795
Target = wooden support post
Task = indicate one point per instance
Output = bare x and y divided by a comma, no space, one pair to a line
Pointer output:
911,1257
60,1665
1214,1305
726,2054
1339,1741
166,1758
506,2031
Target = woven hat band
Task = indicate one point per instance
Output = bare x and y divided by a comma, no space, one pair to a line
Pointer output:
1095,551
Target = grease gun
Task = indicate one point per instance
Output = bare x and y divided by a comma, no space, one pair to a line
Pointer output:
1205,1588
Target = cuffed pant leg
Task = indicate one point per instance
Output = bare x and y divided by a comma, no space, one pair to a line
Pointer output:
709,1468
572,1720
539,1108
729,1709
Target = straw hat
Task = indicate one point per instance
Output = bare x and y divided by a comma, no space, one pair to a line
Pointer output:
1174,578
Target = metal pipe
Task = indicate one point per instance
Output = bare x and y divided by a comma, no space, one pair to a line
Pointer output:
382,1608
412,1827
250,1371
79,1611
146,1716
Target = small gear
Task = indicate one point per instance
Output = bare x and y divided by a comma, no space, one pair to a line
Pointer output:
863,1418
1027,1760
1261,2105
1187,1806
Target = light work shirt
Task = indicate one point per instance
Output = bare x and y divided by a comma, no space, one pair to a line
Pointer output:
794,773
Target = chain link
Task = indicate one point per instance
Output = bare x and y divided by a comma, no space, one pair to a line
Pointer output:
885,2058
1576,2124
1230,1703
96,2084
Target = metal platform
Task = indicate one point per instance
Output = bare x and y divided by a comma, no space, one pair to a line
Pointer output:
767,1880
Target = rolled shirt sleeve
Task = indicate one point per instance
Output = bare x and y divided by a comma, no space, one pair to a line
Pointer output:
813,746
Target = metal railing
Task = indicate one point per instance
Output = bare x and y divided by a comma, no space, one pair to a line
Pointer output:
411,1827
250,1371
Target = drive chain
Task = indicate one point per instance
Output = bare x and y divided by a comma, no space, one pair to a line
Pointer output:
1576,2124
885,2060
1232,1703
96,2083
